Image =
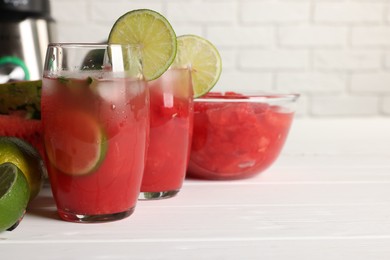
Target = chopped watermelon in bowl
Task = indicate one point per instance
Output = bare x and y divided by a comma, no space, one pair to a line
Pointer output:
237,135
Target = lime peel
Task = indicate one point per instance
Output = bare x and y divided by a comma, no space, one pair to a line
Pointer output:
204,60
153,33
26,158
14,195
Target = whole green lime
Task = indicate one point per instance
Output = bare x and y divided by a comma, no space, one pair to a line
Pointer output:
26,158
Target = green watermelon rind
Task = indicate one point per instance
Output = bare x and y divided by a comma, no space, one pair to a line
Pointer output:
21,96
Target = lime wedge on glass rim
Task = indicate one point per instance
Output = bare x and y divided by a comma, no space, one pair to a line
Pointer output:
203,59
153,33
14,195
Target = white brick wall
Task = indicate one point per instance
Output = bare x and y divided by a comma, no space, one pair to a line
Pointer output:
370,83
336,53
339,12
273,59
201,11
268,12
344,106
347,60
370,36
386,105
309,35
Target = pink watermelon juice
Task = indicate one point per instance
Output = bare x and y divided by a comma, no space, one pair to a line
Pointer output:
95,135
171,119
237,136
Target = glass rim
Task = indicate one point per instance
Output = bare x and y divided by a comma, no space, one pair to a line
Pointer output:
251,98
90,45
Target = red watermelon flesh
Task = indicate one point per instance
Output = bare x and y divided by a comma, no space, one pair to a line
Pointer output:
29,130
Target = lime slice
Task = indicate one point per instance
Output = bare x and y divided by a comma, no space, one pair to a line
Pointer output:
204,60
14,195
153,33
26,158
74,150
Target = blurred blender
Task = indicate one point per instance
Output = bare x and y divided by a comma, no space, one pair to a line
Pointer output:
26,28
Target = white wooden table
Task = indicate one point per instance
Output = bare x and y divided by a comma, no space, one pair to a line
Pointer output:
327,197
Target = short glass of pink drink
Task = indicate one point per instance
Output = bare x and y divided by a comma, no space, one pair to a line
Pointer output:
95,117
171,120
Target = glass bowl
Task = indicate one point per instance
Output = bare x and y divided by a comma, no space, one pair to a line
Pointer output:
238,135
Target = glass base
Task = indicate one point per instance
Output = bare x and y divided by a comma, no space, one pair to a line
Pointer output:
80,218
157,195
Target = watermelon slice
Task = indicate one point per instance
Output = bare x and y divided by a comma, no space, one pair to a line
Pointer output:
29,130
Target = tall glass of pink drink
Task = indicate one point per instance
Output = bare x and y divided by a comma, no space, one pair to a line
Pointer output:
95,116
171,120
